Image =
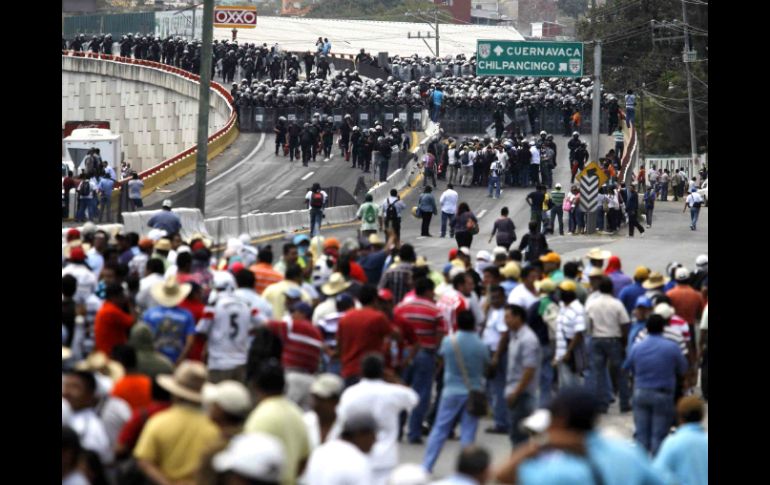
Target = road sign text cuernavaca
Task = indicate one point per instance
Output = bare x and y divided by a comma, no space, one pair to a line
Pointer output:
525,58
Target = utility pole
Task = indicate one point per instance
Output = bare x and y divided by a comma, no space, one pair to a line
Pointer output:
427,35
596,102
641,121
203,105
688,57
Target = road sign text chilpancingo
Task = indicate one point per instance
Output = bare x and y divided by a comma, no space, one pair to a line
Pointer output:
524,58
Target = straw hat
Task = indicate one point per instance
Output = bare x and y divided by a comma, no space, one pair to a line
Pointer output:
187,381
545,286
336,284
511,270
656,280
597,253
99,362
170,293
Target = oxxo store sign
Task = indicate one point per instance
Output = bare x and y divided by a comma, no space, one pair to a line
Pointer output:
523,58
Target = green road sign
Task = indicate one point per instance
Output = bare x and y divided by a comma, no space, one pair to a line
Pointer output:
524,58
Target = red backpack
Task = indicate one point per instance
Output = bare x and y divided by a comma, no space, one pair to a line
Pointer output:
317,200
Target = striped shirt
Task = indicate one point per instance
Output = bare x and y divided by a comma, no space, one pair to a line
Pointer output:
451,303
328,325
425,319
265,276
677,331
570,321
398,280
557,196
302,344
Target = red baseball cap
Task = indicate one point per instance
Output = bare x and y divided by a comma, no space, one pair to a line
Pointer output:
236,267
452,254
77,254
198,245
73,234
385,294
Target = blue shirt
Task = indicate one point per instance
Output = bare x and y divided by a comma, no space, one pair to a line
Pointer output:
683,457
438,96
105,186
170,329
373,264
629,294
475,357
508,286
166,220
655,363
636,327
616,461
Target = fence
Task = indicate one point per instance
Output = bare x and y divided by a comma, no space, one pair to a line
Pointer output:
115,24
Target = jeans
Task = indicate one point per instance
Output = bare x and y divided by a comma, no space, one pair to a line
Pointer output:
316,216
494,182
106,202
653,414
546,173
524,174
600,219
435,112
604,352
449,408
557,213
567,378
451,219
467,177
453,174
496,393
619,149
85,205
546,374
633,223
384,170
649,216
421,379
395,224
630,115
426,217
664,191
429,175
523,407
694,213
534,173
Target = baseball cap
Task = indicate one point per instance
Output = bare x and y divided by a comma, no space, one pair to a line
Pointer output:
456,270
551,257
331,242
483,256
327,385
167,203
641,273
545,286
385,294
499,250
664,310
77,254
304,308
73,234
681,274
231,396
293,292
452,254
557,186
465,250
567,285
643,302
702,260
146,243
258,456
300,238
511,270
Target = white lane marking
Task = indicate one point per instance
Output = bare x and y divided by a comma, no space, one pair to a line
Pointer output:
481,214
422,237
283,193
247,157
308,176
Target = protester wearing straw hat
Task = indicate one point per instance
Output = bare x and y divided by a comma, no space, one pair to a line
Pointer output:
333,287
171,444
172,326
654,285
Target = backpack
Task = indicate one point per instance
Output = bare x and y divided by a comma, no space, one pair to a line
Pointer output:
537,324
84,190
316,200
391,213
430,161
370,214
464,158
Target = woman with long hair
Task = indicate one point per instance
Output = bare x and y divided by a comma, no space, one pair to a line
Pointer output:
466,225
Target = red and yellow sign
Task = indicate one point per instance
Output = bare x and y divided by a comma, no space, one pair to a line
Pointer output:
236,17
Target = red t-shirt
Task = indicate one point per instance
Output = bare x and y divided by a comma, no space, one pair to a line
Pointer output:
130,432
199,341
357,272
301,346
111,326
135,389
360,332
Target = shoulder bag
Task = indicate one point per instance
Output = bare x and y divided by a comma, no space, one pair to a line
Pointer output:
477,399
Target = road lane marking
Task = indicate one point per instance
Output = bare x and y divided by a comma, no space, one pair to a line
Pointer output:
247,157
283,193
481,214
308,176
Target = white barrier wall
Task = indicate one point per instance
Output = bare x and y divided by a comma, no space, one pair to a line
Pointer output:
155,112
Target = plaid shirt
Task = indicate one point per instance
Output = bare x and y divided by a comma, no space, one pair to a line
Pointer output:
398,280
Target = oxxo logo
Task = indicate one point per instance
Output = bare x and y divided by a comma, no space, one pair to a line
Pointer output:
235,17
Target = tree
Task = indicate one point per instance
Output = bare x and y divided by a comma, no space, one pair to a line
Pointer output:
573,7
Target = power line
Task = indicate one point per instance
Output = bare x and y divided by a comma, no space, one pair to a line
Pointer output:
699,80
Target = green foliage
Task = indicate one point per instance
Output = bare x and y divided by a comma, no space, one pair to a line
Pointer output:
630,60
573,7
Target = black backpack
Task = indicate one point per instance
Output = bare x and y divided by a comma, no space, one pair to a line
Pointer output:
390,212
264,346
84,190
536,323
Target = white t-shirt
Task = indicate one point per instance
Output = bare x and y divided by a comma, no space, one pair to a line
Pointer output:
338,462
83,336
451,158
254,300
693,198
310,193
384,401
144,299
535,155
494,328
92,434
522,296
227,326
448,201
85,278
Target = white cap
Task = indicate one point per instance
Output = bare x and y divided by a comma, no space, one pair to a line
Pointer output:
499,250
327,385
702,260
231,396
664,310
537,422
456,270
483,256
167,203
157,234
558,186
681,274
409,474
465,250
258,456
